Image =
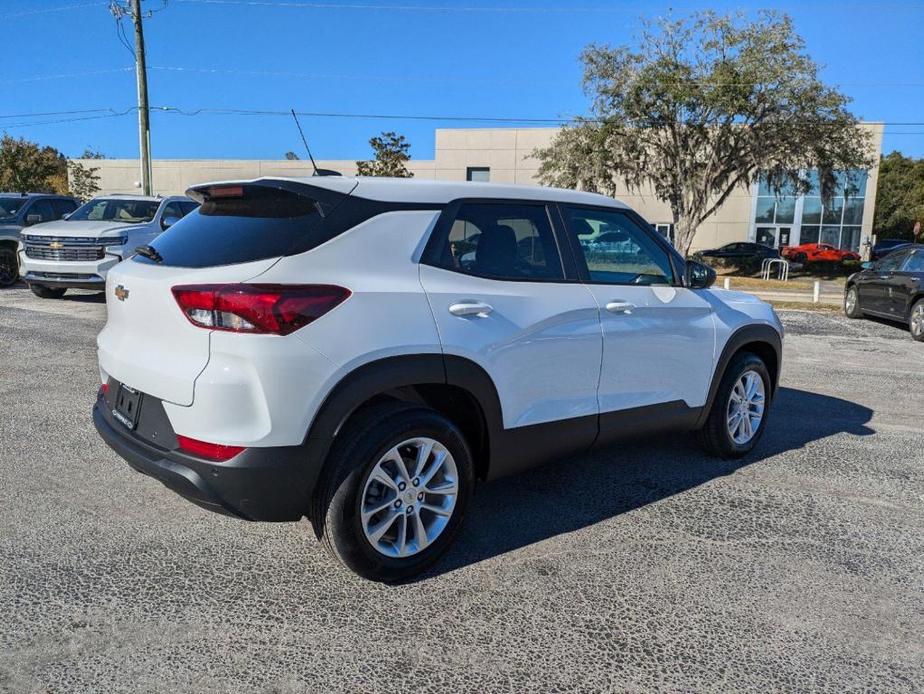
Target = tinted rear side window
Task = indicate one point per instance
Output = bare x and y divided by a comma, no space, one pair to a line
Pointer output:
240,224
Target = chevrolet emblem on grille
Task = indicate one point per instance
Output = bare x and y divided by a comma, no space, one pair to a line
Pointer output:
121,293
56,245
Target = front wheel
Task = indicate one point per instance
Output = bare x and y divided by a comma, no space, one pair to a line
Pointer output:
47,292
916,321
396,488
9,267
852,303
739,411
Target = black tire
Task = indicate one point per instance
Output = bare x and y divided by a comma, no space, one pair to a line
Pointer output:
917,333
44,292
800,258
856,311
714,435
363,441
9,266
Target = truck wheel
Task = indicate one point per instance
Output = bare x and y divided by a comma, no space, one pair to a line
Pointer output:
47,292
397,485
9,267
739,411
916,321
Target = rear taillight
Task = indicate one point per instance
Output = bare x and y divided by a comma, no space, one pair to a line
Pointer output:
277,309
212,451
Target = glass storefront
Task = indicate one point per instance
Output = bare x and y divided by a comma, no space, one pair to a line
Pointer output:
811,220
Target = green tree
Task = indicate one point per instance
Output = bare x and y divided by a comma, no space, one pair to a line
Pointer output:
28,167
899,196
391,155
291,156
704,106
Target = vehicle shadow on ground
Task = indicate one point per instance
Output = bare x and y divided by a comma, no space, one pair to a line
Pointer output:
577,492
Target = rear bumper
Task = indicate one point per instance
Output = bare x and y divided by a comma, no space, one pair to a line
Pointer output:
259,484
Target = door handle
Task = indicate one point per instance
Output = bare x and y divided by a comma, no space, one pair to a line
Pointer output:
471,308
618,306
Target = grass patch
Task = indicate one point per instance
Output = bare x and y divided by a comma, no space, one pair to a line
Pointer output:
805,306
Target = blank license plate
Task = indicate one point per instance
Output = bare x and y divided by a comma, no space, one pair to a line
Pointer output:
127,406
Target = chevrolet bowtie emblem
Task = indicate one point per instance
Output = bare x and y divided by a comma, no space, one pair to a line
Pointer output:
56,245
121,293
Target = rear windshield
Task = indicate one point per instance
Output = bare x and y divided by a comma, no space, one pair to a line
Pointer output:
239,224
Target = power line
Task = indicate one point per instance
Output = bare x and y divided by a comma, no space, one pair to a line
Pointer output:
49,10
66,75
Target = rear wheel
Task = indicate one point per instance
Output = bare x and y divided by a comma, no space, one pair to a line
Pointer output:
396,489
9,267
739,411
800,258
916,321
852,303
47,292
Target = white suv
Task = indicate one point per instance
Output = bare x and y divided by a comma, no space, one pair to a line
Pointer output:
77,251
361,351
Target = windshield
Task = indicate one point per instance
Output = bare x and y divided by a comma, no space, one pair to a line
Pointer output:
121,211
10,206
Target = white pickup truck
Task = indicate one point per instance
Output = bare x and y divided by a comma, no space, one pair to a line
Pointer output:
76,252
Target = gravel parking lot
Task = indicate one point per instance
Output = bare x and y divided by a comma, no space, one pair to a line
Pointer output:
649,567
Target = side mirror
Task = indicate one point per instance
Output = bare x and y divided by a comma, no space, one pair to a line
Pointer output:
33,219
699,275
168,222
867,265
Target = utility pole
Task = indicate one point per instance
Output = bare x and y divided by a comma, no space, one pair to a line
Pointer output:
144,117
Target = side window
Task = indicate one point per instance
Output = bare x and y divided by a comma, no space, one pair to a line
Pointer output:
173,209
188,206
914,263
891,262
63,207
43,209
502,241
617,249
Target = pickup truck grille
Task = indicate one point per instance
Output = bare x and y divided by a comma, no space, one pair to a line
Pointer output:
69,249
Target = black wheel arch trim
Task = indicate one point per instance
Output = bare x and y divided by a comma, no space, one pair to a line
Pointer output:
746,335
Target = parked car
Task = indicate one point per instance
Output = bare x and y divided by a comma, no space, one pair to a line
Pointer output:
742,251
885,246
818,253
19,210
319,347
891,288
78,251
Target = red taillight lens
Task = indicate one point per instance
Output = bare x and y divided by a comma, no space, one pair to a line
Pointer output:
212,451
278,309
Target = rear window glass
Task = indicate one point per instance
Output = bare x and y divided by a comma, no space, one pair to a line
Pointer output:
239,224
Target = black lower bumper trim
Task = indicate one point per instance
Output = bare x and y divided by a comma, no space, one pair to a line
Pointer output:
260,484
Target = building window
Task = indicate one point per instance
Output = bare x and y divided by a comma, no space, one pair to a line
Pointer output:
666,229
478,173
837,222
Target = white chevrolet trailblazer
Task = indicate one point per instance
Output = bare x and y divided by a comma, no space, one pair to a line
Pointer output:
361,351
76,252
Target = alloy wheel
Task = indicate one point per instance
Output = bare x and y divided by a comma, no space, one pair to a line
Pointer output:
409,497
850,303
917,320
745,410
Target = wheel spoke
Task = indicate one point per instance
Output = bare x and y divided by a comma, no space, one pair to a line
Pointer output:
450,487
375,533
420,532
435,467
396,457
438,510
423,455
379,475
401,540
369,512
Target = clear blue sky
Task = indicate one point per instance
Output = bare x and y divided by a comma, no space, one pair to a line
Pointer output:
497,58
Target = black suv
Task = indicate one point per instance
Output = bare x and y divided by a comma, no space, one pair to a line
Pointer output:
18,210
742,252
891,288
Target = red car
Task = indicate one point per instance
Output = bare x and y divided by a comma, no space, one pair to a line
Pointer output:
818,253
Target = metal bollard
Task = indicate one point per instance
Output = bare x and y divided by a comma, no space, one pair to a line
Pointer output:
727,283
816,296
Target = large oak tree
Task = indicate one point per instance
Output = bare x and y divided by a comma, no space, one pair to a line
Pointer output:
703,106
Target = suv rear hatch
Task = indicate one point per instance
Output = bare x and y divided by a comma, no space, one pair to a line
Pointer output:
238,233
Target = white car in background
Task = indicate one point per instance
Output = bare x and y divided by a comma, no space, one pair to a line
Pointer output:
78,251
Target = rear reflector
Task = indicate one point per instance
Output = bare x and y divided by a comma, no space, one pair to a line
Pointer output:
277,309
225,192
103,389
212,451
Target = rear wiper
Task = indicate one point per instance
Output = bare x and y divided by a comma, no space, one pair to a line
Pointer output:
150,253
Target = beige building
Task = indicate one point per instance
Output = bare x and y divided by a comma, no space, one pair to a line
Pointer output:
504,155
